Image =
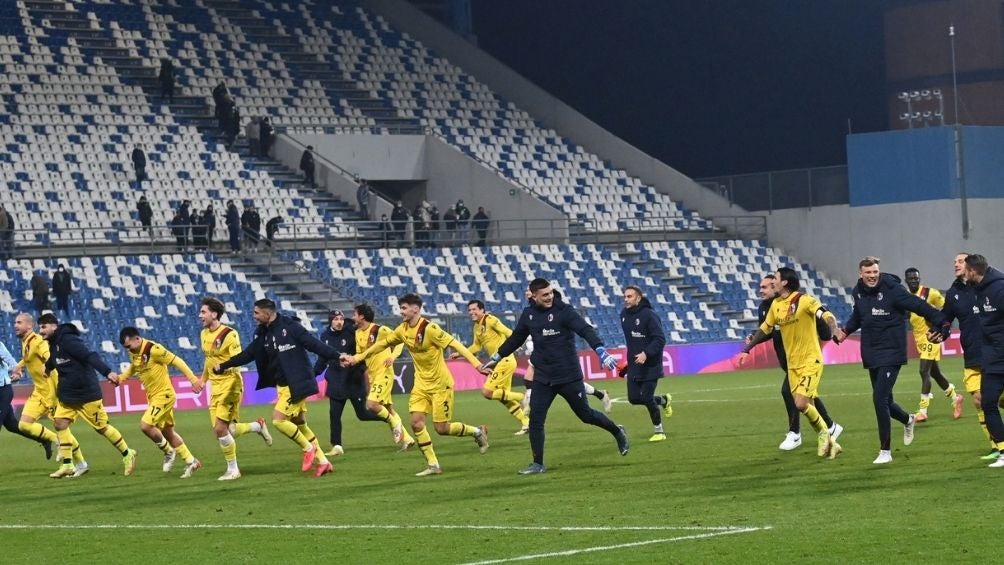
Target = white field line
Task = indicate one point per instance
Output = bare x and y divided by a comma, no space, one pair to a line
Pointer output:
756,399
569,552
706,529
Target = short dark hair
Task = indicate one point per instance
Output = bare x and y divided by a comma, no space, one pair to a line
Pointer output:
869,261
770,276
48,318
214,305
128,332
911,270
977,263
410,298
478,303
265,304
366,311
635,288
538,284
789,276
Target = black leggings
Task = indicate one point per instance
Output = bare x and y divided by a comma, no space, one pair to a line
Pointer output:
335,408
643,393
883,380
575,395
991,388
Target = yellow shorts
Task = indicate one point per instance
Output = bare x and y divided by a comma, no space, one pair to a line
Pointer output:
381,387
971,380
805,380
438,402
39,407
286,405
225,400
927,350
159,411
93,413
501,377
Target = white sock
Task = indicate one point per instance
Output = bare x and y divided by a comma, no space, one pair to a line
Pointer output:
658,429
226,440
255,427
589,388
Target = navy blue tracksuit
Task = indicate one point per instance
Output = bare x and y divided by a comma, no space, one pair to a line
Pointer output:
556,366
344,384
990,306
881,313
643,334
794,420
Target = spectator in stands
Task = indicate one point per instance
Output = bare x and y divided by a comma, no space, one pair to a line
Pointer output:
6,232
251,221
399,218
481,223
463,221
434,236
145,214
386,230
186,221
209,221
198,232
139,164
420,225
233,126
179,228
40,291
166,77
271,228
307,166
363,197
450,225
266,135
234,226
62,287
223,100
251,131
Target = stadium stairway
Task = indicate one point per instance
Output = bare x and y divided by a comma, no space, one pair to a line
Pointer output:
293,287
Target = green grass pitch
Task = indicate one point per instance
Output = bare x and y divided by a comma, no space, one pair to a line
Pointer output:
718,491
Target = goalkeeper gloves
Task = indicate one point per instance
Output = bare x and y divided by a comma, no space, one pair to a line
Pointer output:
491,363
606,359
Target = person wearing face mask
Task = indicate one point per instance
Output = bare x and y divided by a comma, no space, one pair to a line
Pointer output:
62,287
881,309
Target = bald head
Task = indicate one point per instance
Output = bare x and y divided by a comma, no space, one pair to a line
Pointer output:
24,323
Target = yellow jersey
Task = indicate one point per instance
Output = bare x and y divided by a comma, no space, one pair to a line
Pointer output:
933,297
368,337
150,365
489,334
34,354
796,316
426,341
219,345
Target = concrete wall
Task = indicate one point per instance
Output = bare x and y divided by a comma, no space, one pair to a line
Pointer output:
288,150
926,235
372,157
549,110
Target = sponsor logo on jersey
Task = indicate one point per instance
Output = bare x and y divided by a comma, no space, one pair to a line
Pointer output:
879,312
548,332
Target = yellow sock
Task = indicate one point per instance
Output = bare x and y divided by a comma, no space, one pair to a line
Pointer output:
506,395
290,430
115,438
950,392
309,434
517,412
229,448
185,454
37,431
925,402
239,429
78,454
815,420
65,445
395,419
386,416
461,429
425,445
983,423
406,437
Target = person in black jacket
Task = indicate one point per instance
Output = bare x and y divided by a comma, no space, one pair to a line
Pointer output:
345,384
793,439
481,223
645,341
78,393
882,307
307,166
178,231
166,77
399,218
266,135
62,287
139,163
233,226
553,326
40,291
279,350
145,214
960,304
988,284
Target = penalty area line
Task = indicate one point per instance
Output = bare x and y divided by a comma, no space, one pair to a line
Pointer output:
568,552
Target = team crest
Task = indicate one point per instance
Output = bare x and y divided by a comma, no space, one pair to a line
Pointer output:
791,309
637,321
343,343
880,296
550,317
283,333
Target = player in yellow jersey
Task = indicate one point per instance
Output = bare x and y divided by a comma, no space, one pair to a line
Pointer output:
380,372
433,389
149,361
795,313
226,390
489,334
930,353
42,401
